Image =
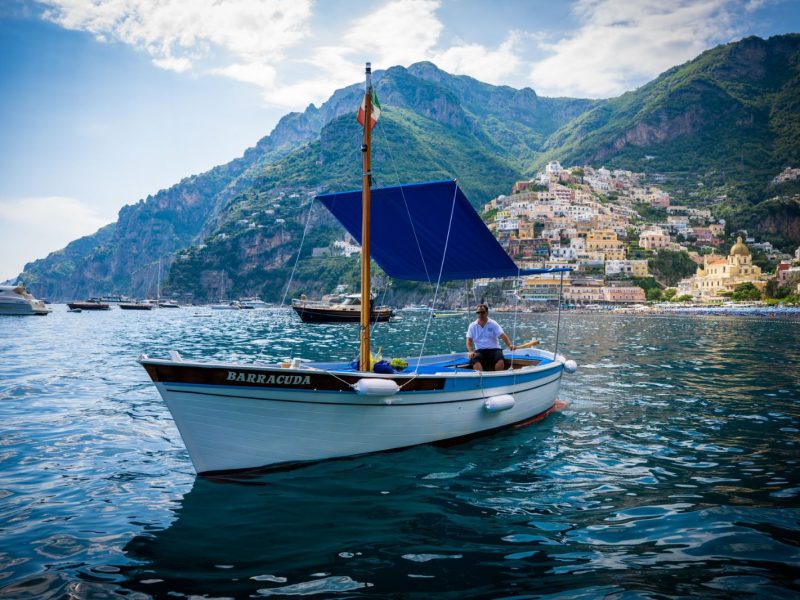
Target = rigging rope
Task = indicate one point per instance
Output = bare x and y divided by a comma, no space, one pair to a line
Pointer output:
291,276
439,279
405,204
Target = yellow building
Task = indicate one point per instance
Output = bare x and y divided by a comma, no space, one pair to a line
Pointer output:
654,239
723,274
543,288
606,242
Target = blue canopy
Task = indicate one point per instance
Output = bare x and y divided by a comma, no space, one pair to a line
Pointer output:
409,236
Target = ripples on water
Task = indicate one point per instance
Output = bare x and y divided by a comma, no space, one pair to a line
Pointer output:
672,472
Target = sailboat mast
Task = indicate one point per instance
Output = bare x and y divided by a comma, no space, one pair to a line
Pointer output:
366,179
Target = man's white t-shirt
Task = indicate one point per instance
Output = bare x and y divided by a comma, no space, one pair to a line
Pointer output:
487,336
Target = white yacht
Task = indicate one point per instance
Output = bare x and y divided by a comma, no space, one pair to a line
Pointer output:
254,302
15,300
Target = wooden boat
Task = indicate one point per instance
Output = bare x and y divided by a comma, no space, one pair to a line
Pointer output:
89,305
237,416
346,311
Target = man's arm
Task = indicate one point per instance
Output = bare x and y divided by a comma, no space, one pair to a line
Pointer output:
470,347
507,340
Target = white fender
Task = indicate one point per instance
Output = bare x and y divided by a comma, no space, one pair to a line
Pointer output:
498,403
376,387
570,366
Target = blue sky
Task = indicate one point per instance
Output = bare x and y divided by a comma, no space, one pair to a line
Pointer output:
104,102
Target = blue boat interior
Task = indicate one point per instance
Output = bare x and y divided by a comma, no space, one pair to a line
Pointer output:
443,363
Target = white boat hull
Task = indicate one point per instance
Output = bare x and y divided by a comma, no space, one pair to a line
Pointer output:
237,427
22,308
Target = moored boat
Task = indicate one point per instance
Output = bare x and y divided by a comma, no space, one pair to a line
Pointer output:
16,300
91,304
237,416
348,310
226,306
136,305
254,302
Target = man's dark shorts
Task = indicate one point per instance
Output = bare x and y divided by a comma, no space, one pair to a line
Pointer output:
488,358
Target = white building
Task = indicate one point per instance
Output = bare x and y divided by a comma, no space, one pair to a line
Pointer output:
553,168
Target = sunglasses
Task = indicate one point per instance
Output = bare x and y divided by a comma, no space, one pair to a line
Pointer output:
480,312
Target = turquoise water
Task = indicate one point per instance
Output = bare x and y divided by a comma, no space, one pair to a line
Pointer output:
672,471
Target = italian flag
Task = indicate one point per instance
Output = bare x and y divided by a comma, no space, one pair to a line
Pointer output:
376,110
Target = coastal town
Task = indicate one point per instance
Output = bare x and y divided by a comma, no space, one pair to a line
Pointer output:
608,226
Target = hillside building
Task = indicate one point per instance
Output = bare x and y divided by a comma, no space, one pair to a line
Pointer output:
605,241
631,268
723,274
654,239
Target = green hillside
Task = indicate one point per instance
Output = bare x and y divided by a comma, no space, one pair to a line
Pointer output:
727,119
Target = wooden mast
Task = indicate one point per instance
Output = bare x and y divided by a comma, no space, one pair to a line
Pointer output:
366,177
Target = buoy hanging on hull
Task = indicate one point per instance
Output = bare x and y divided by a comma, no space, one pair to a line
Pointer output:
498,403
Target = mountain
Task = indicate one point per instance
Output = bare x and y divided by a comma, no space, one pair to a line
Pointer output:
715,131
435,125
728,118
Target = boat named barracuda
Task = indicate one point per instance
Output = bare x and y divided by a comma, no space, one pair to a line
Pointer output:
261,378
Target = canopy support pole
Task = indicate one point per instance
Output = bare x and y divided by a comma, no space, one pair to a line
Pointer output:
558,321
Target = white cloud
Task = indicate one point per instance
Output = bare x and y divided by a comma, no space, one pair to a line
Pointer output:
491,66
398,33
618,45
32,227
180,34
622,44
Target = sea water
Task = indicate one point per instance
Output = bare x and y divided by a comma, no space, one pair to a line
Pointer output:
671,471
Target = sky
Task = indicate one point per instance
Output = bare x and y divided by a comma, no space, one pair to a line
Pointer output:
104,102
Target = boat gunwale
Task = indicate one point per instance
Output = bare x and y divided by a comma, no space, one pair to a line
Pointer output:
552,361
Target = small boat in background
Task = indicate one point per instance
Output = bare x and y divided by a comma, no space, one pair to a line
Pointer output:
446,314
168,304
90,304
16,300
253,302
136,305
228,306
348,310
415,308
75,310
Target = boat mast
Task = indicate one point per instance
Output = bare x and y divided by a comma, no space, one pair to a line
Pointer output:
366,177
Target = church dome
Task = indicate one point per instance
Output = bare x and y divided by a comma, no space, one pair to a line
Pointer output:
739,249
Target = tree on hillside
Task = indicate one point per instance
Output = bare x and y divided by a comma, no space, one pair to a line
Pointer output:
671,266
746,291
654,294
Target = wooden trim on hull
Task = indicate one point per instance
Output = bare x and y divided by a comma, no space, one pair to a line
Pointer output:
323,315
276,378
446,443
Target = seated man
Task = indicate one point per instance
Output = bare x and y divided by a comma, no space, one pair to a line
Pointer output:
483,342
